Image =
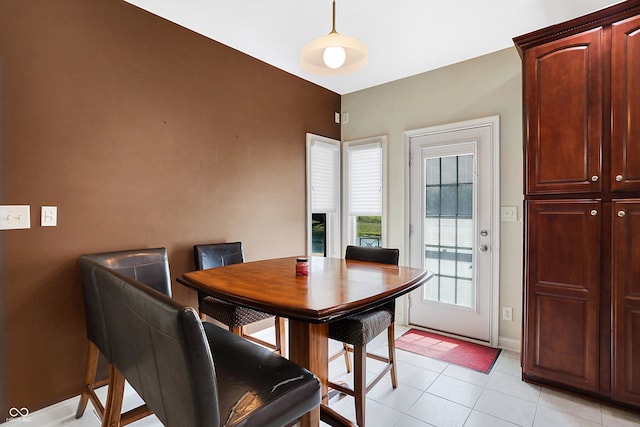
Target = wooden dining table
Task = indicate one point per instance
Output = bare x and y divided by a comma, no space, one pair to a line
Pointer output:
334,288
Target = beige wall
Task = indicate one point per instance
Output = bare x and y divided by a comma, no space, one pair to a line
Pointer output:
481,87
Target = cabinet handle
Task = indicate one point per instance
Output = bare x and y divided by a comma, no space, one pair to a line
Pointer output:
594,178
594,212
621,214
619,178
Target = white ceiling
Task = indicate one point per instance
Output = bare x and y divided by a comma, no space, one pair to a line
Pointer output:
404,37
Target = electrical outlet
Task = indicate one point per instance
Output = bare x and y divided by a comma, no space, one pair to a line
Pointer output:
509,213
507,314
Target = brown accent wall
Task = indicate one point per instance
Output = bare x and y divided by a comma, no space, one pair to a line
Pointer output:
144,134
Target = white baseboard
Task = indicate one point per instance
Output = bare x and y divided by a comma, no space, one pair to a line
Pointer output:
510,344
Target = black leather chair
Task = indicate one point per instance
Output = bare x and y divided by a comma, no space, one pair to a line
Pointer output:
192,374
356,331
235,317
149,266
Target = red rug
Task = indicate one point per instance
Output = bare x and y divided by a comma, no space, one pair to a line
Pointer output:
469,355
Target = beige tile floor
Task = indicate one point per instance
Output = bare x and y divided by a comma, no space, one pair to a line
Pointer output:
430,393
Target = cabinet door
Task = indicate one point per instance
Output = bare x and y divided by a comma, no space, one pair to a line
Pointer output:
563,102
562,298
625,104
626,301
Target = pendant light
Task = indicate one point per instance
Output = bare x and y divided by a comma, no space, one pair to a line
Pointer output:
333,54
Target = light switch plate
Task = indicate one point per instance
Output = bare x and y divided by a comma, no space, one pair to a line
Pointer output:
14,217
49,216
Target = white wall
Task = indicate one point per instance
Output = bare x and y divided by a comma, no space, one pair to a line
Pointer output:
481,87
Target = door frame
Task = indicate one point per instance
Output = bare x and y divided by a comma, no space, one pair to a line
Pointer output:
493,122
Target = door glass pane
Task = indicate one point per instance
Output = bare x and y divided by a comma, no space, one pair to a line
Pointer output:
448,229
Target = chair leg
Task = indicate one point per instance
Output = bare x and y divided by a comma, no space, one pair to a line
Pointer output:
281,336
115,396
360,381
391,338
238,330
347,359
89,377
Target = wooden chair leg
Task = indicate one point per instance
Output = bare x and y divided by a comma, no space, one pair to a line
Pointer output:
115,396
89,377
347,359
281,336
360,382
238,330
391,338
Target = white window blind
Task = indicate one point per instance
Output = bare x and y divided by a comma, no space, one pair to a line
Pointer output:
365,180
324,179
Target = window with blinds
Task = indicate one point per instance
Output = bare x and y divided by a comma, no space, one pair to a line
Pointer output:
347,211
325,169
364,196
323,196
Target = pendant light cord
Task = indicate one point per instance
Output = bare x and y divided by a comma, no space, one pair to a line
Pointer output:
333,20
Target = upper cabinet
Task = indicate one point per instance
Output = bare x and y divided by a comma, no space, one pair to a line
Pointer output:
563,98
582,104
625,105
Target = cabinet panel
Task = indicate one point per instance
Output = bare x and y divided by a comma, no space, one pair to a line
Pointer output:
626,300
562,292
563,101
625,104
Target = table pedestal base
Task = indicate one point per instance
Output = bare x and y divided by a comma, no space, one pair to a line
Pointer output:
309,347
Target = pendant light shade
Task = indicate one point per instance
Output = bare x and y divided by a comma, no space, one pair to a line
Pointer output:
334,54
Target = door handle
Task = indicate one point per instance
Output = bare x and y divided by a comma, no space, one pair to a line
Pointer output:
483,248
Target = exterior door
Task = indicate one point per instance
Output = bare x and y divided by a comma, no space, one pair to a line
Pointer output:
454,229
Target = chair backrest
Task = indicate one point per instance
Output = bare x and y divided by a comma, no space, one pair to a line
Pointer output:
149,266
218,255
366,253
381,255
160,347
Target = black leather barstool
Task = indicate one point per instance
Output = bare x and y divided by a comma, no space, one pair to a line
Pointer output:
149,266
235,317
356,331
192,374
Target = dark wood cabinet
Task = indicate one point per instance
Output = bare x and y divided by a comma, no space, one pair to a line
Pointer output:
563,270
581,92
564,115
626,300
625,105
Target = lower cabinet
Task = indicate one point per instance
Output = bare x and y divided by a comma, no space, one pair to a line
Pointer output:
582,296
625,255
562,292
